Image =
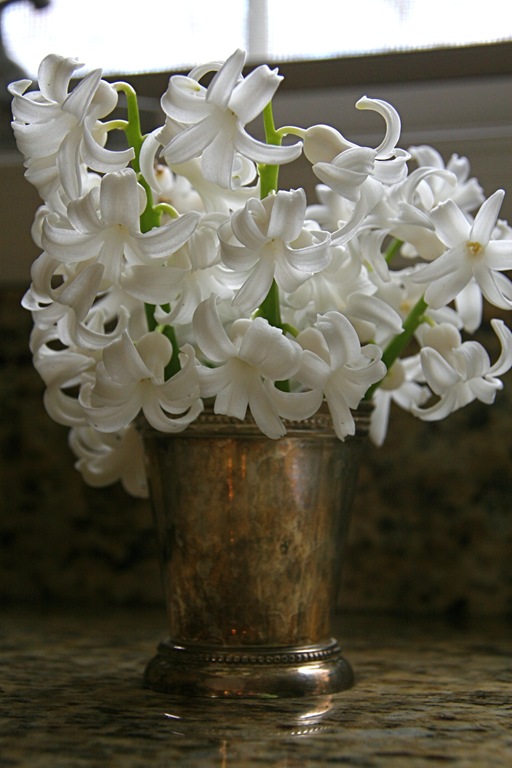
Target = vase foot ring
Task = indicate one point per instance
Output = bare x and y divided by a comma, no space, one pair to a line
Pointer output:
248,671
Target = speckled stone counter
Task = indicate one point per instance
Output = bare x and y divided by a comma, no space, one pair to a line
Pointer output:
426,693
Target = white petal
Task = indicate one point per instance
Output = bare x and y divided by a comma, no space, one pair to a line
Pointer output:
157,417
68,163
155,350
486,218
210,335
342,418
63,408
496,287
504,362
451,224
295,406
469,306
254,92
265,412
341,337
165,240
104,160
191,142
440,410
184,100
267,348
113,417
247,225
120,199
440,375
224,81
498,255
443,290
123,363
150,283
233,398
54,74
79,100
380,417
266,153
322,143
213,380
375,310
393,125
217,160
287,215
256,287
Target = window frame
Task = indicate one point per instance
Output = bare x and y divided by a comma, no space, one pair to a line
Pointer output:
482,60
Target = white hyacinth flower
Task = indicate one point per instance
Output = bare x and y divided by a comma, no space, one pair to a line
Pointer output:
249,360
214,118
471,252
357,174
104,225
459,372
103,458
59,131
267,240
131,378
335,365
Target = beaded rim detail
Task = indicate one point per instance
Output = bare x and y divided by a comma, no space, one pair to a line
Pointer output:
209,423
250,655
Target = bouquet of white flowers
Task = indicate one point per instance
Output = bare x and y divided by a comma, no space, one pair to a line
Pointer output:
174,271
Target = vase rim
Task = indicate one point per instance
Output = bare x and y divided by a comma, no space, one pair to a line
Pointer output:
319,425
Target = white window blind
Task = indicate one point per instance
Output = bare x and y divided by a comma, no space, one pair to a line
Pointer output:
160,35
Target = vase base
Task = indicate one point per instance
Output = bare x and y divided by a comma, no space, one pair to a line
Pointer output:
248,671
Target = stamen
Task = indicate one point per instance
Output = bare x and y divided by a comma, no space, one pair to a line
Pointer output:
475,249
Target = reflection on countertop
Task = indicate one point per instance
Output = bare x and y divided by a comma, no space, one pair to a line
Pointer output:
427,691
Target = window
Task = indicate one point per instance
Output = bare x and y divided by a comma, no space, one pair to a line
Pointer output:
115,35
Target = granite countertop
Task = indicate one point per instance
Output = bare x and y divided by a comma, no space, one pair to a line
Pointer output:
426,692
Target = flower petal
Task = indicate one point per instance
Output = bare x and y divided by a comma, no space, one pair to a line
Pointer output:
287,215
440,375
393,124
256,287
225,79
486,218
120,199
209,332
254,92
190,142
452,226
504,362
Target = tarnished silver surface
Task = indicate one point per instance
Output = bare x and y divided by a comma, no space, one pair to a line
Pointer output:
251,534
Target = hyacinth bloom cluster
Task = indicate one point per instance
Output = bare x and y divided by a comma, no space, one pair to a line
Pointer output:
175,272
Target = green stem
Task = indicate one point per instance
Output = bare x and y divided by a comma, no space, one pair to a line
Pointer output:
270,308
132,127
151,215
397,345
392,249
166,208
149,310
173,366
269,174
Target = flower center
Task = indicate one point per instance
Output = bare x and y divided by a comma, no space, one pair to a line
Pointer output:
474,249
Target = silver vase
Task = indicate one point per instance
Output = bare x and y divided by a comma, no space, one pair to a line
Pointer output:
251,534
